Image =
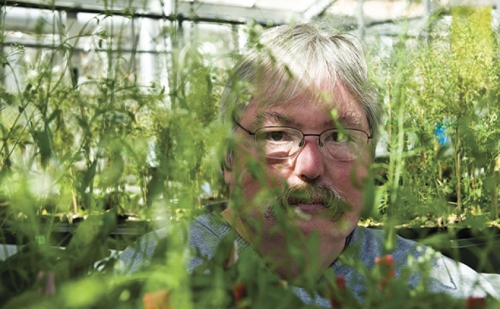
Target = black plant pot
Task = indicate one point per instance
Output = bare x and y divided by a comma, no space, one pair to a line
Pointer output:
61,231
477,249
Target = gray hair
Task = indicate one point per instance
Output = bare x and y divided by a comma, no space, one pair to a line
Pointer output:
292,58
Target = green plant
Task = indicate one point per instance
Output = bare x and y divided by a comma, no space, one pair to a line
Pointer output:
106,145
449,84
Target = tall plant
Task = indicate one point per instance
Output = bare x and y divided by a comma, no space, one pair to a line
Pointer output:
441,123
99,145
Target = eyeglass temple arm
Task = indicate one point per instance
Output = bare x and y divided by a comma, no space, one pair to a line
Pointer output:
248,131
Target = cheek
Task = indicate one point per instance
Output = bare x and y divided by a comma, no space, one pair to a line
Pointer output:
358,172
264,180
349,180
253,174
250,186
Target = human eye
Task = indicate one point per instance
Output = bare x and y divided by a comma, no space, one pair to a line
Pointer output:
334,136
274,135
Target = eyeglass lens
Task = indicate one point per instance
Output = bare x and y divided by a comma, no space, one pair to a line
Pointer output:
284,142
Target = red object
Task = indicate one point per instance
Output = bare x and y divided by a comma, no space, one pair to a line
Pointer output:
157,300
475,303
340,281
239,291
341,286
386,260
386,266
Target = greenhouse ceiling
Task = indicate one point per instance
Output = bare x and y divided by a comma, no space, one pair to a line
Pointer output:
370,17
264,11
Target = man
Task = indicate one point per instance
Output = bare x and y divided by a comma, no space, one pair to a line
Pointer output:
304,118
300,77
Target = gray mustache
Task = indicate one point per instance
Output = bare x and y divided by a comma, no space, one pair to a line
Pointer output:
330,198
311,194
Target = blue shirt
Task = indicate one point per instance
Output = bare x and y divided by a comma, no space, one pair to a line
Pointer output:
363,244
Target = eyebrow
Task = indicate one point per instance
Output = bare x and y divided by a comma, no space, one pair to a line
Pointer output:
274,116
348,120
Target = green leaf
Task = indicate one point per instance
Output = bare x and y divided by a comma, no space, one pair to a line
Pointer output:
53,116
42,140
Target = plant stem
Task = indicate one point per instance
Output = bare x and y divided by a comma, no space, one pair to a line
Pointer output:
457,174
75,203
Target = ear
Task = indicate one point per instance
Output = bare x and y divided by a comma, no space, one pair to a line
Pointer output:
227,168
228,176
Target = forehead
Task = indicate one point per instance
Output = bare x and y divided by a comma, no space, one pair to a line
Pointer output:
306,108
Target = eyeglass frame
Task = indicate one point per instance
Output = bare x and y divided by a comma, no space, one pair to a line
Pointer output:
301,143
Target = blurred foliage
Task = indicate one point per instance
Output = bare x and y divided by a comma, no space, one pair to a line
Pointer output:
441,130
105,146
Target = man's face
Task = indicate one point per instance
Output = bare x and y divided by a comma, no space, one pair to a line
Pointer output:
310,171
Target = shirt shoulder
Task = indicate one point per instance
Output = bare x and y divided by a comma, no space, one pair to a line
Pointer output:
139,253
458,279
368,244
204,233
443,275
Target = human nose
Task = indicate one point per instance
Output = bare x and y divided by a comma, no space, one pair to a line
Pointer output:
309,161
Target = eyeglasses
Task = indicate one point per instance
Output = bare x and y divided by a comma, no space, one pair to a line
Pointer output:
279,142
